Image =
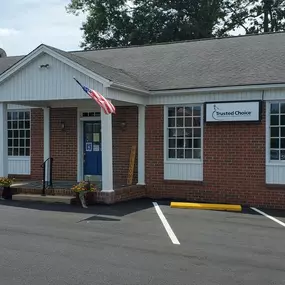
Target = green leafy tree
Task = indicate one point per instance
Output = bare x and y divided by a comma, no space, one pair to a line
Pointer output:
254,16
112,23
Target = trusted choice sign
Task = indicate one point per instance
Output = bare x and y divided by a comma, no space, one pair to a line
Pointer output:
249,111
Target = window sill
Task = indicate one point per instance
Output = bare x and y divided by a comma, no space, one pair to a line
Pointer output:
193,182
184,161
279,163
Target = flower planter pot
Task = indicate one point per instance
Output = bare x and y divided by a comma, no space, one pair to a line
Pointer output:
7,193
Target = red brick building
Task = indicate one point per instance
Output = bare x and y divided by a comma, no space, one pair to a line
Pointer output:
207,118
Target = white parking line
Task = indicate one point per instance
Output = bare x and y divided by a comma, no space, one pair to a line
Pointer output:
166,225
268,216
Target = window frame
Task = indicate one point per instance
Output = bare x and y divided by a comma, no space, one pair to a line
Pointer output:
166,138
268,133
18,129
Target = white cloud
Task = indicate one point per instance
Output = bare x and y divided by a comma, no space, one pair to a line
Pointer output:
7,32
25,24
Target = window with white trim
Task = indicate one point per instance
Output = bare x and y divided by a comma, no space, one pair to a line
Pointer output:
184,132
19,133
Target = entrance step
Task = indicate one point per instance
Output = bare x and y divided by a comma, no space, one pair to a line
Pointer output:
39,198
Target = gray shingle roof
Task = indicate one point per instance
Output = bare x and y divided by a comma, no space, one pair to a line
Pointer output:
256,59
7,62
114,74
246,60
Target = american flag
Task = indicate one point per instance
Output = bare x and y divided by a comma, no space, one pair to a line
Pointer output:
105,104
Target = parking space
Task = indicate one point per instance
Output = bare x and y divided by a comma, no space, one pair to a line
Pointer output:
240,248
147,242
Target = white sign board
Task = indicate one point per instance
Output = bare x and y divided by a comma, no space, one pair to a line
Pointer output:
233,111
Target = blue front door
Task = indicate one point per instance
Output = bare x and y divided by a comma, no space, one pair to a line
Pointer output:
92,148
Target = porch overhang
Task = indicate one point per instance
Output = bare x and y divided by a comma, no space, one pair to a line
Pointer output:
45,75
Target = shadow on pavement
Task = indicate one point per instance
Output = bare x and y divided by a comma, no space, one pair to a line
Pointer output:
119,210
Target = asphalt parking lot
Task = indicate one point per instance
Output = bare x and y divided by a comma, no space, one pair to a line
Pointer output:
138,243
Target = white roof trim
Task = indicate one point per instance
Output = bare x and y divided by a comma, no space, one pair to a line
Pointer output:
218,89
44,49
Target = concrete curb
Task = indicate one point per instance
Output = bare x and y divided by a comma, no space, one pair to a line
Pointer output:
202,206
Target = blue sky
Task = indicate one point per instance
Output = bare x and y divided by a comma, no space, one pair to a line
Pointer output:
25,24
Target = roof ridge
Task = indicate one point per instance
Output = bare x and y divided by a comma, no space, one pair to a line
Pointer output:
179,42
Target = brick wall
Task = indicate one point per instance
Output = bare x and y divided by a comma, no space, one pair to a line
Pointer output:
37,143
234,165
64,143
123,140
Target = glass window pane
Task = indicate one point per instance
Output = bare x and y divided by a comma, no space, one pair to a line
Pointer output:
180,143
10,151
274,154
10,143
171,153
22,142
171,122
171,133
9,125
197,111
27,115
15,125
15,151
15,142
282,154
10,134
197,153
282,108
197,132
21,115
188,111
22,134
274,108
22,151
196,121
282,123
188,143
180,153
172,143
180,111
171,111
180,132
188,122
21,124
16,134
9,116
15,115
179,122
27,152
274,132
197,143
27,142
27,124
188,153
27,134
274,120
188,133
274,143
282,132
282,143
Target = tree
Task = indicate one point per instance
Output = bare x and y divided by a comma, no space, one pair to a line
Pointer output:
254,16
112,23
